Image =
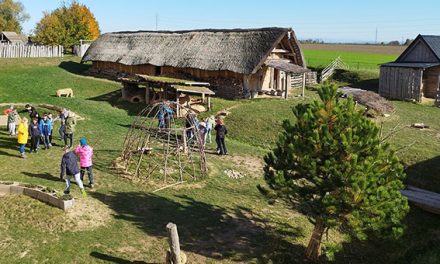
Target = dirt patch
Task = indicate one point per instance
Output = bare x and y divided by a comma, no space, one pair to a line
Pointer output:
250,166
381,49
88,214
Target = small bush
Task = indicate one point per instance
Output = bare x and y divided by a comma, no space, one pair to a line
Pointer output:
346,76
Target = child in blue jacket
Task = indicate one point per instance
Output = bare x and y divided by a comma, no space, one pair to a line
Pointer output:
46,130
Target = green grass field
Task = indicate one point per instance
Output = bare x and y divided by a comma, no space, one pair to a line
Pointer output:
355,60
220,220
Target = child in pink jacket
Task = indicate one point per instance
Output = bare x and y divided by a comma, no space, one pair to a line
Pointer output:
85,153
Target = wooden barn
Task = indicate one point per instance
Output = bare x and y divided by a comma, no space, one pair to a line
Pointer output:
415,75
238,63
7,37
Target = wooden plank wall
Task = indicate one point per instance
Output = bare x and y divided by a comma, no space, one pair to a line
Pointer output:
30,51
401,83
297,79
431,82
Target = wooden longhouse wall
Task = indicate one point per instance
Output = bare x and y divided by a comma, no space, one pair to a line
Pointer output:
400,83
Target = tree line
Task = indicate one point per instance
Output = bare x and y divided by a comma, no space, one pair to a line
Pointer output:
65,26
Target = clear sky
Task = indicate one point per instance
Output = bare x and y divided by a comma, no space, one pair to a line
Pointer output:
334,21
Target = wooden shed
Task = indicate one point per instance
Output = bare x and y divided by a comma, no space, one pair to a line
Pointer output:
238,63
415,75
7,37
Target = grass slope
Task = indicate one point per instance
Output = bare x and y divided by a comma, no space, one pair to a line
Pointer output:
220,220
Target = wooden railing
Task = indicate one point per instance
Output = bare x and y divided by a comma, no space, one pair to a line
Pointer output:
330,69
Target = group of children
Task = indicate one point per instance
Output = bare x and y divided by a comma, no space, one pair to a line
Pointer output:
205,129
40,129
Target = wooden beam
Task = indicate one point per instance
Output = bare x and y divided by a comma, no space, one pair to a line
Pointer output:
303,88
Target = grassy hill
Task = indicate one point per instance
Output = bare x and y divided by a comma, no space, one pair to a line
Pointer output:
220,220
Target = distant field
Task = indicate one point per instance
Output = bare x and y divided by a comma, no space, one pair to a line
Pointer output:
355,60
390,50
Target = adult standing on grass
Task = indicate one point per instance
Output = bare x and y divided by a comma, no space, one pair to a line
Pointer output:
69,168
35,133
32,112
85,153
69,128
23,135
221,132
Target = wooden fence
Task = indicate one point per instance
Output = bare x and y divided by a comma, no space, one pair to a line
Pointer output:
30,51
296,80
330,69
80,50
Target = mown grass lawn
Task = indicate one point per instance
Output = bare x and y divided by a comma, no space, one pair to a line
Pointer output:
220,220
355,60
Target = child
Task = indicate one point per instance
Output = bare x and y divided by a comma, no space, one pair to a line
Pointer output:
221,132
23,135
45,129
51,119
63,114
12,118
6,113
69,128
209,124
35,133
69,166
85,153
202,133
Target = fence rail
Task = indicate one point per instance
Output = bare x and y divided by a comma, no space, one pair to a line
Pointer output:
296,80
330,69
30,51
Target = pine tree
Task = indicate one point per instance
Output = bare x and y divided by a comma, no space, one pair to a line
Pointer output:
332,166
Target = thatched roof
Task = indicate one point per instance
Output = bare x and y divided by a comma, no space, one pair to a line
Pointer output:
238,50
285,65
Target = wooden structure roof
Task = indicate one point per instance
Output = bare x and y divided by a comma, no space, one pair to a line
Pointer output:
12,37
193,89
285,65
237,50
430,44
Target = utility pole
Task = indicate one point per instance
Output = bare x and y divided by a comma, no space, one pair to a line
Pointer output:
157,21
375,40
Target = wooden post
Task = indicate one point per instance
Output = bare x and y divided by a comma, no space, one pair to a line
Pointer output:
177,104
173,239
185,141
203,97
303,84
209,103
147,95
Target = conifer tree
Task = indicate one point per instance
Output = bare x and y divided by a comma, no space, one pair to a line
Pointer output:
332,166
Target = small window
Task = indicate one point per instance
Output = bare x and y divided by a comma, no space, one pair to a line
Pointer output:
157,70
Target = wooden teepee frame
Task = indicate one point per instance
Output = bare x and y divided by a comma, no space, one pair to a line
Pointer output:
149,148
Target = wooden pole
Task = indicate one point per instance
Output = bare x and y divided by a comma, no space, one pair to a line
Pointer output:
303,85
173,239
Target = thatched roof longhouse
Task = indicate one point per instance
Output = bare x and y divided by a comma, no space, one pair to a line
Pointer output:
239,50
